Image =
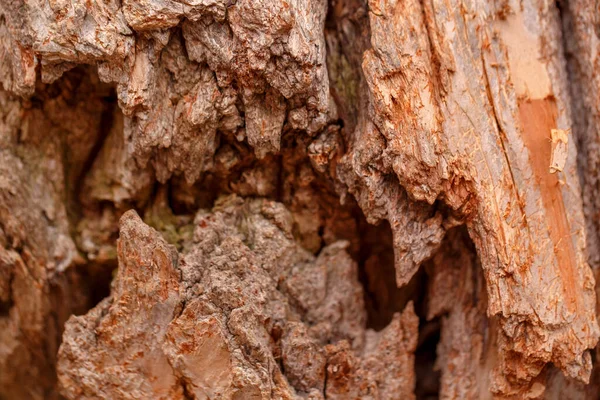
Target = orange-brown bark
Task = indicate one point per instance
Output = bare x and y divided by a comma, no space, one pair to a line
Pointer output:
331,199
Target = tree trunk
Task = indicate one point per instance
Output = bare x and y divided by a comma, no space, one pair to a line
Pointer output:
281,199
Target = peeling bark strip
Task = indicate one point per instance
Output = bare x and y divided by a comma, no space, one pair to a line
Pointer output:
491,122
185,186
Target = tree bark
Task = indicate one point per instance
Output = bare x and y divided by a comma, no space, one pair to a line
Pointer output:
281,199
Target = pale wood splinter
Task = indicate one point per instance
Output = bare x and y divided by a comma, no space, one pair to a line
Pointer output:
560,147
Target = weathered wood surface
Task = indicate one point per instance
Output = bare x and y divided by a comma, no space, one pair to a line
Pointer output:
257,140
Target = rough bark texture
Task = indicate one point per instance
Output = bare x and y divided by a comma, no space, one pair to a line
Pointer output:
280,199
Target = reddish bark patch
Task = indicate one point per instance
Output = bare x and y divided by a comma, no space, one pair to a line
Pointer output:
537,118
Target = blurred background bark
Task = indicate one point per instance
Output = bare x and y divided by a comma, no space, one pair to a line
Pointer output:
280,199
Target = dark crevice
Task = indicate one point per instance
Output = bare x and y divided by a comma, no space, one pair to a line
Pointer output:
106,123
97,279
6,298
280,179
428,379
187,394
383,298
78,90
157,194
376,267
5,307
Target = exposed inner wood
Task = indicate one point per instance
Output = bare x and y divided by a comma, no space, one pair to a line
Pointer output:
538,118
